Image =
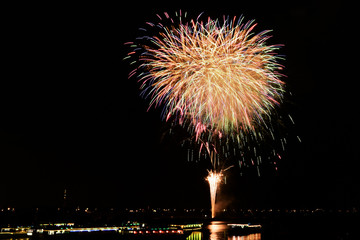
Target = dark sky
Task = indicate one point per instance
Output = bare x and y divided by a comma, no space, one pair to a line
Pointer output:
70,117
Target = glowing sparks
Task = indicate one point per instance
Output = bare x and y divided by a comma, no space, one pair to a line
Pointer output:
214,180
214,77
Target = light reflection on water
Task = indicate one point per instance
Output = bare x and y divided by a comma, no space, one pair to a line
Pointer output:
15,238
195,236
218,231
254,236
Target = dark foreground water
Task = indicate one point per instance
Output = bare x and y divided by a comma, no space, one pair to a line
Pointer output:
307,229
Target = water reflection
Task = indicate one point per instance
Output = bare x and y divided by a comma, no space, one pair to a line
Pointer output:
15,238
218,231
195,236
254,236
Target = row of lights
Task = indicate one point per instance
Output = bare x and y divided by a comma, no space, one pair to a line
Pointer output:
160,231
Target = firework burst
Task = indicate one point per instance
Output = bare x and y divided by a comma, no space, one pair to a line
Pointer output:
218,78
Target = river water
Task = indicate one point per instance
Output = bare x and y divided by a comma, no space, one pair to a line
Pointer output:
217,230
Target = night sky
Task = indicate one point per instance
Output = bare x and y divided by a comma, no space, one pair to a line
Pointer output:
70,117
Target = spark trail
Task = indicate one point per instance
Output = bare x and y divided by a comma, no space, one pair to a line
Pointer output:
214,180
